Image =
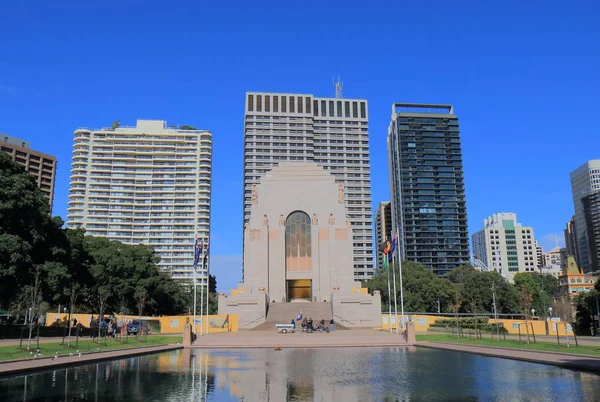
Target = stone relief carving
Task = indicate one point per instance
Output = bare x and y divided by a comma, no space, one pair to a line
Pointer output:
254,234
315,220
340,193
254,194
331,219
348,224
281,220
265,221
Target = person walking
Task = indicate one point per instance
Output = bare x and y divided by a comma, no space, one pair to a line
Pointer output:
331,325
92,327
294,324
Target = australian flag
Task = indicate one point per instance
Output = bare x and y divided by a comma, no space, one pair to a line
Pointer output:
197,252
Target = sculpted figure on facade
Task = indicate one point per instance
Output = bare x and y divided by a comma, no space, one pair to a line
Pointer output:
348,224
281,220
315,220
265,220
254,194
331,219
340,193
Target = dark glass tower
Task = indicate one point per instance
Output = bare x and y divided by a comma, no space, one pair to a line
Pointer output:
427,186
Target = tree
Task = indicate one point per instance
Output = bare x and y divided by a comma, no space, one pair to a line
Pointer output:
476,286
25,228
542,288
187,128
422,289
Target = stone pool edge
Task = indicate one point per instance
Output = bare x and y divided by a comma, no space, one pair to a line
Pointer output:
28,366
566,360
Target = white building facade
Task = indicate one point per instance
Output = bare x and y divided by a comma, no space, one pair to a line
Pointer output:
504,245
149,184
332,132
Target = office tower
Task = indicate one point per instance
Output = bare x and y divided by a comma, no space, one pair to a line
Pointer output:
147,184
427,186
585,181
506,246
383,228
571,239
591,210
41,166
333,132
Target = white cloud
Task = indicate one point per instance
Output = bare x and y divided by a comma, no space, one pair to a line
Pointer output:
228,270
549,241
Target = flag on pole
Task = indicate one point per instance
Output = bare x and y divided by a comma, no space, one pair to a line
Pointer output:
299,316
385,261
394,244
197,251
206,253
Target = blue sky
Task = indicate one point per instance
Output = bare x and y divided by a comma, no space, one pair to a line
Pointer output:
522,75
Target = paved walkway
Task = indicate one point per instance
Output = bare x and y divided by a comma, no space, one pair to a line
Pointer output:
583,340
570,360
272,339
47,363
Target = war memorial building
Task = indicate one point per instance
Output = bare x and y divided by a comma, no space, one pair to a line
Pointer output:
298,249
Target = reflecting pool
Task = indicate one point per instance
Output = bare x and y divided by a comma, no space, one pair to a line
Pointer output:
339,374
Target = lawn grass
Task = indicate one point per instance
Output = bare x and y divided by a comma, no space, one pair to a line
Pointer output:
85,345
514,344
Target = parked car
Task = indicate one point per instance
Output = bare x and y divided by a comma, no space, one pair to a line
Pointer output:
136,326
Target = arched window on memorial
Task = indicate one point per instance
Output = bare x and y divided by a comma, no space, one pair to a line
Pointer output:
298,242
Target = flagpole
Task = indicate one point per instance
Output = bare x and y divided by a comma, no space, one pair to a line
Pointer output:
387,266
201,294
395,292
195,265
207,282
401,288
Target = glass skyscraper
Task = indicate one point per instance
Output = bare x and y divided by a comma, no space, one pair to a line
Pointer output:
427,186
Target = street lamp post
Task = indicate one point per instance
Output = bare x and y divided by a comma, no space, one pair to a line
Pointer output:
533,312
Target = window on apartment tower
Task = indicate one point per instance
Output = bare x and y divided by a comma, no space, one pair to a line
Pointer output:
284,104
347,109
251,103
307,105
267,103
331,109
363,110
354,109
339,109
259,103
300,104
315,108
292,105
323,108
275,103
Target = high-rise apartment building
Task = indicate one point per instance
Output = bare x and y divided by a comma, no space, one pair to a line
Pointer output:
41,166
585,181
383,228
334,133
427,186
506,246
539,251
147,184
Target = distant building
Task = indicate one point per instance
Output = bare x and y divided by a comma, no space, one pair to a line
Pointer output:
506,246
427,186
585,181
41,166
148,184
571,239
553,257
572,280
539,255
383,228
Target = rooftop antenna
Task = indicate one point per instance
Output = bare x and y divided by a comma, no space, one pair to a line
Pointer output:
339,86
